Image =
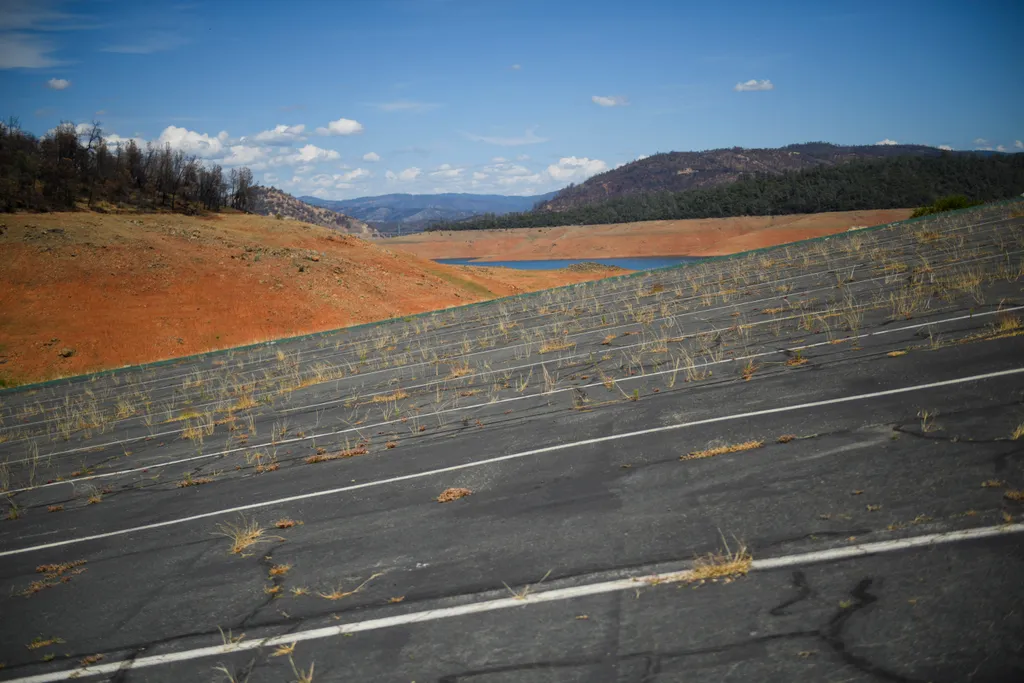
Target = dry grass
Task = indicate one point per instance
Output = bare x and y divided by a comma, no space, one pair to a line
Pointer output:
1018,433
396,599
340,455
786,438
283,650
725,565
339,593
896,354
450,494
189,480
796,360
608,340
722,450
390,397
53,575
749,369
558,344
1016,495
285,523
54,508
993,484
280,569
39,642
460,371
243,534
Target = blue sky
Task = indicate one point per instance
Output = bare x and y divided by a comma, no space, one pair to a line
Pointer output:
359,97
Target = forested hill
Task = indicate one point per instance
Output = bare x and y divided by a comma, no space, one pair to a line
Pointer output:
678,171
900,182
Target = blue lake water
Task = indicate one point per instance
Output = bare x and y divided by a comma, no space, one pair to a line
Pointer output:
637,263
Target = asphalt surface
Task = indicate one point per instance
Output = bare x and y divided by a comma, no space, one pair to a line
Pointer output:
863,393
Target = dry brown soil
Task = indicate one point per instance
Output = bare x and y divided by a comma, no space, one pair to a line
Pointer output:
700,237
86,291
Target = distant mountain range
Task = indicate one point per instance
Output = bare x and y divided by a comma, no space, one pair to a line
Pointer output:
678,171
270,201
405,213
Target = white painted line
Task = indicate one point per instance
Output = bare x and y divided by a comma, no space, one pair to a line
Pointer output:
512,456
510,399
533,598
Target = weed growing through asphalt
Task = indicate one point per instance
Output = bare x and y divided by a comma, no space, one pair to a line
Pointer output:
1018,433
283,650
724,564
301,675
243,534
523,592
54,575
39,642
1016,496
722,450
339,593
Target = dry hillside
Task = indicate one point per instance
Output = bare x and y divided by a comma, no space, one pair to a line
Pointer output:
84,291
696,237
270,201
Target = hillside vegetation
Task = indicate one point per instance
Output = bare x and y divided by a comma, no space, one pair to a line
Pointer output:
856,185
406,213
270,201
75,166
680,171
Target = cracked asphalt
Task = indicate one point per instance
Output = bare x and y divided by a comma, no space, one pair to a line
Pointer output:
877,375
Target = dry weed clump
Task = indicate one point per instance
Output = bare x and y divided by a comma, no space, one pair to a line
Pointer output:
450,494
726,565
1016,496
53,575
347,453
243,534
722,450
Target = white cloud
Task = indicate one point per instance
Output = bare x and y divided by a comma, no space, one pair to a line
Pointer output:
371,156
270,178
477,175
946,148
405,105
499,160
446,171
887,141
390,175
523,157
1018,144
609,100
409,174
754,85
21,51
58,84
312,153
341,127
528,138
1000,148
641,157
355,174
200,144
531,179
243,155
506,168
281,135
980,141
573,168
